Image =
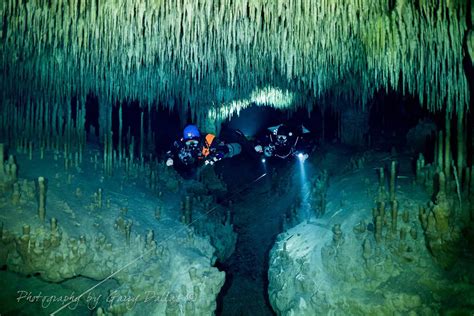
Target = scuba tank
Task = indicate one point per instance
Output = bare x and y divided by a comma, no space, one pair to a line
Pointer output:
233,150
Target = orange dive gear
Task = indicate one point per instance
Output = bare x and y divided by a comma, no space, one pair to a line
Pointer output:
206,149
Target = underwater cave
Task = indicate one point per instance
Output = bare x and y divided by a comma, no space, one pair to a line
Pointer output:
236,157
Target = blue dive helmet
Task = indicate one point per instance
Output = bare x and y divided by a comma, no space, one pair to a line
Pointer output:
191,132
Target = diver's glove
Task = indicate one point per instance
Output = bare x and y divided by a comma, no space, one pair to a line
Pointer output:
268,150
212,160
258,149
169,162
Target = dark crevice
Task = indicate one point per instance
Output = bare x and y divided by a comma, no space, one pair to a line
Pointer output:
246,287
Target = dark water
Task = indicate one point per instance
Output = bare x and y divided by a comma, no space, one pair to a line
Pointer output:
257,218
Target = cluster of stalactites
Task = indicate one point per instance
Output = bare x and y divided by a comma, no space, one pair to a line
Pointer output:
187,49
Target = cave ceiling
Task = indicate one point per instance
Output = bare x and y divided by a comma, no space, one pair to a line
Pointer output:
210,54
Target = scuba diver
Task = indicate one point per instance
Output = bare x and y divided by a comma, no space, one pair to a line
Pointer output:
283,142
193,149
187,149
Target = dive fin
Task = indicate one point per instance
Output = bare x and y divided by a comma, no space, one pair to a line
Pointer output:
273,129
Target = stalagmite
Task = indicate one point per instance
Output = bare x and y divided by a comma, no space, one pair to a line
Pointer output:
403,234
394,216
406,216
381,183
420,165
26,229
337,234
149,238
440,150
99,198
442,183
393,176
54,225
378,228
381,209
12,168
42,198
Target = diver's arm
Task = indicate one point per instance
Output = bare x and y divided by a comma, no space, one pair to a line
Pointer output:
296,142
173,153
170,158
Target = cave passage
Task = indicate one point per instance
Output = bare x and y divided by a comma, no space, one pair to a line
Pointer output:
279,157
261,204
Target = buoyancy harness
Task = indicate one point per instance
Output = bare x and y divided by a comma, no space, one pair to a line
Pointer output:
206,148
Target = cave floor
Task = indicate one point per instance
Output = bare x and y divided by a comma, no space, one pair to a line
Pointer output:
261,198
70,196
334,272
259,210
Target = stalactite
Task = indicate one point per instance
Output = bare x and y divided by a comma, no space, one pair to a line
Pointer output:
447,147
461,145
158,50
142,135
120,132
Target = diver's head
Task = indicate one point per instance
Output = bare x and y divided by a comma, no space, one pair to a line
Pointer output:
191,136
282,134
191,132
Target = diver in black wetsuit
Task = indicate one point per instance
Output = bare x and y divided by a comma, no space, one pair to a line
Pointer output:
283,142
193,149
